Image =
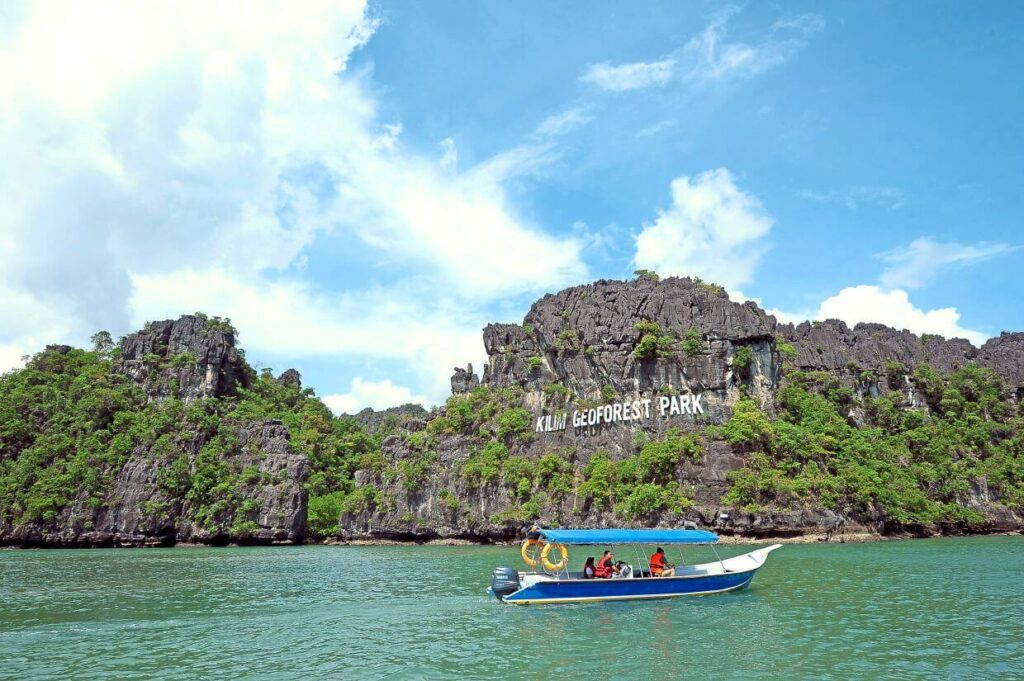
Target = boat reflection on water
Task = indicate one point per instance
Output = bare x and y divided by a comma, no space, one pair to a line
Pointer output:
555,583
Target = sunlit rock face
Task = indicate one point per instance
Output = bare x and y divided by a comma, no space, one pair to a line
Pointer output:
582,351
191,357
586,338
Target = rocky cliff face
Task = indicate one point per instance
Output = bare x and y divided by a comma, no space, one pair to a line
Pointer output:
387,420
585,338
638,403
193,357
194,475
580,350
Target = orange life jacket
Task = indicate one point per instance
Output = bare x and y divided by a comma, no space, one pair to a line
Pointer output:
657,563
604,567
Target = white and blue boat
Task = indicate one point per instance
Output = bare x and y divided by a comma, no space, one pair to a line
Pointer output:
554,582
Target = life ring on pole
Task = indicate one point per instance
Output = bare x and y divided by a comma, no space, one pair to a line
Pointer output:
554,567
531,552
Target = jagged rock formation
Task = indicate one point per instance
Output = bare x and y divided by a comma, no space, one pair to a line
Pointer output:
188,477
579,349
161,444
1004,354
194,356
464,380
388,419
585,338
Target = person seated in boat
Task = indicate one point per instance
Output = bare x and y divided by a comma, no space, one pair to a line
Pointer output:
589,571
660,568
606,566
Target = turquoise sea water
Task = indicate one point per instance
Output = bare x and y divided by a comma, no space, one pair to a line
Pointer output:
948,608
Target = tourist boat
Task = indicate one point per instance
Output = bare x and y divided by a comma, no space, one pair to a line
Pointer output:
555,583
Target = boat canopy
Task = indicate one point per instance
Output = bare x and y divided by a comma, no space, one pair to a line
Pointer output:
603,537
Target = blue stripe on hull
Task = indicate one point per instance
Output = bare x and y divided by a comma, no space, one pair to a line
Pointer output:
628,589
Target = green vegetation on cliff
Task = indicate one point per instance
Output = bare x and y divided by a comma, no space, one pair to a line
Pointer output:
69,423
912,466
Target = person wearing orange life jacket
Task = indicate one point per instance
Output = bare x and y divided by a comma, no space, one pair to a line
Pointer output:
606,566
589,571
659,568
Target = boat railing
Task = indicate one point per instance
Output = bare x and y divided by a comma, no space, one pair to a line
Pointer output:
641,569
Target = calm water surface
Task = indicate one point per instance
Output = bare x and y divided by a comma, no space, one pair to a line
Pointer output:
950,608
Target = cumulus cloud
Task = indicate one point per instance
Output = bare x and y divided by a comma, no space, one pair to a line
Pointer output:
152,145
373,394
919,263
292,318
893,308
631,76
870,303
713,230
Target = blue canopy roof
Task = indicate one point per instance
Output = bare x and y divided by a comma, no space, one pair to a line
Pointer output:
629,536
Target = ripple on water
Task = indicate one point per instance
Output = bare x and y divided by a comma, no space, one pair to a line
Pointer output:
947,608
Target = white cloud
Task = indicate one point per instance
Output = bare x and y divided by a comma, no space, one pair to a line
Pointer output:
893,308
374,394
632,76
450,159
804,23
154,149
867,303
709,57
564,122
786,317
854,197
919,263
292,318
713,230
655,129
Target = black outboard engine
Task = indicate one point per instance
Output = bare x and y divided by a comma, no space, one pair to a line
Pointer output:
504,581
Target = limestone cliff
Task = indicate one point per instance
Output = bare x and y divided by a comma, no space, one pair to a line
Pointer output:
638,403
585,348
142,454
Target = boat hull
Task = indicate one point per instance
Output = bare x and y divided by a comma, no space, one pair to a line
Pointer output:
589,590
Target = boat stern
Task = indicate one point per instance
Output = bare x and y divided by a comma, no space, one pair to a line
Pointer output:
504,581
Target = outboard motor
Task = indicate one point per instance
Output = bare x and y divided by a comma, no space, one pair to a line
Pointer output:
504,581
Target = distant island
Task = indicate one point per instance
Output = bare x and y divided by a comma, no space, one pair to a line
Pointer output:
652,402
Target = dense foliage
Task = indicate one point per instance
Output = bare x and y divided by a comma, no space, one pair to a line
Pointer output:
68,424
877,456
653,342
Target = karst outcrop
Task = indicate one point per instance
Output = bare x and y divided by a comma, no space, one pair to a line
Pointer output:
617,403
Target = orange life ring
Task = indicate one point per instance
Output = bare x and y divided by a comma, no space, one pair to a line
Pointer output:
554,567
531,552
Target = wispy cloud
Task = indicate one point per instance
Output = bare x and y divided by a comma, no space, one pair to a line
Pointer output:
924,259
804,23
631,76
854,197
450,157
204,171
564,122
655,129
709,57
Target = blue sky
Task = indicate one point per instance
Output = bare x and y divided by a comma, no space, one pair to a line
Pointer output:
362,188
